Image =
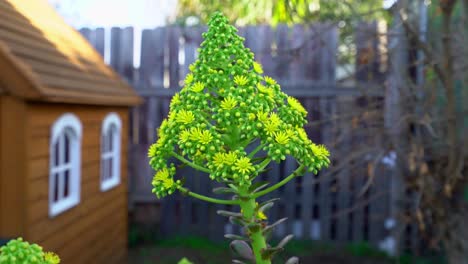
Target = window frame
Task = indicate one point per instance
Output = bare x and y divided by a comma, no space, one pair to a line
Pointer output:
112,119
67,125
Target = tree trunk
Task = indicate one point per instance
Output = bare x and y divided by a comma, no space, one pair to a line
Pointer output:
456,241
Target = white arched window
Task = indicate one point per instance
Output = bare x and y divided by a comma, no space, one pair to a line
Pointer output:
110,151
65,162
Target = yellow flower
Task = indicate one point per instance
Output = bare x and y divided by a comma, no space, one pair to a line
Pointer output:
198,153
161,174
185,117
274,118
230,158
198,87
240,80
272,123
196,133
257,67
269,80
175,100
189,78
263,89
192,67
243,165
51,258
168,183
262,116
270,128
184,136
251,116
218,159
152,151
260,214
171,116
205,137
296,105
282,137
320,151
302,134
163,177
161,128
228,103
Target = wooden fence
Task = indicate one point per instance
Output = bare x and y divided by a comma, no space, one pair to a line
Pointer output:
331,206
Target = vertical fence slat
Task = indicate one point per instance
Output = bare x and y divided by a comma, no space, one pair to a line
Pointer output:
95,37
86,33
191,44
274,176
289,194
343,149
357,182
296,45
377,206
151,76
265,57
152,63
122,52
328,49
174,66
281,60
99,41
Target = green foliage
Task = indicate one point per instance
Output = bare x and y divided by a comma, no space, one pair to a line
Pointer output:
364,249
184,261
19,251
282,11
193,242
410,259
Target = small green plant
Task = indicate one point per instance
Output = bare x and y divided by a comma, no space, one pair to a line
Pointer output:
184,261
226,108
18,251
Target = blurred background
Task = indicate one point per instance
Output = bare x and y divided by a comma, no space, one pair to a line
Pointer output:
385,85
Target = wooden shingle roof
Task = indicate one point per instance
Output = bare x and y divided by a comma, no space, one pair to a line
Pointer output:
44,59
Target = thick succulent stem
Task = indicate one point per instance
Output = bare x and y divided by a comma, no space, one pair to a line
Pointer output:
258,241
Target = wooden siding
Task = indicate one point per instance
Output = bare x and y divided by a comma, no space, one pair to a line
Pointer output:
12,169
95,229
53,59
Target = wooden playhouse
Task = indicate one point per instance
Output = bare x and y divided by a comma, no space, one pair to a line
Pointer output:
63,138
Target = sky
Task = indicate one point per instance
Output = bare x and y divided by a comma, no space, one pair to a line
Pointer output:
140,14
108,13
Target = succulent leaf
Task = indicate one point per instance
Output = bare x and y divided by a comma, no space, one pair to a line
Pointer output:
292,260
242,249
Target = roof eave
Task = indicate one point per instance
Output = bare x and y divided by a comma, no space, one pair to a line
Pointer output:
15,77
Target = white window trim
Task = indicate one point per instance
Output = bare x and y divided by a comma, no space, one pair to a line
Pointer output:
109,120
66,121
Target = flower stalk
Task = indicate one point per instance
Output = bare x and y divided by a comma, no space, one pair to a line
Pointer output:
248,209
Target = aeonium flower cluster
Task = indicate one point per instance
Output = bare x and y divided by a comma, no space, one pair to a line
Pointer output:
19,251
226,105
